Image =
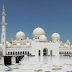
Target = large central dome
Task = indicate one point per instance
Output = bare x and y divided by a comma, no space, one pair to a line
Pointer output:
20,35
37,32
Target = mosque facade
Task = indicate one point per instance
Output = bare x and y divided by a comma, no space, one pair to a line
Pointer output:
39,45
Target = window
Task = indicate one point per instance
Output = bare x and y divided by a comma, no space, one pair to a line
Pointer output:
18,53
23,52
8,53
13,53
28,53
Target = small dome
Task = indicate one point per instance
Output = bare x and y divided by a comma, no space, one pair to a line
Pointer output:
71,46
37,32
20,35
18,45
9,45
43,38
66,46
55,36
7,42
15,42
28,44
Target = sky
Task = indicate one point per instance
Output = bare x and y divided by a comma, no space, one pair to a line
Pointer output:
51,15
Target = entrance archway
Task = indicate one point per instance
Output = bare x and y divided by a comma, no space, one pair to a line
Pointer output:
45,52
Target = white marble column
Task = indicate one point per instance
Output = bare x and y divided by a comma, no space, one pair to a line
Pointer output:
41,57
48,52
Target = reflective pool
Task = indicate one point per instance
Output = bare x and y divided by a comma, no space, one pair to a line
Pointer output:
40,64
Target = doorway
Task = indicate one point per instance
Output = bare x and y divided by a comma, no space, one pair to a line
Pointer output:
45,52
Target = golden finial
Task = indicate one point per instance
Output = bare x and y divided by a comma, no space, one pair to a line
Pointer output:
38,26
3,6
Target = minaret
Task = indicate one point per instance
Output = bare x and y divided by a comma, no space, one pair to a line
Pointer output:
3,34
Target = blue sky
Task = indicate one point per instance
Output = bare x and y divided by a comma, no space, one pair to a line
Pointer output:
51,15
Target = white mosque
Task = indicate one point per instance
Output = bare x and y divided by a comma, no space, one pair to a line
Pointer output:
39,45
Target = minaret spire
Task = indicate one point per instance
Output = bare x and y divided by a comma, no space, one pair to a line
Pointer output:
3,6
3,16
3,34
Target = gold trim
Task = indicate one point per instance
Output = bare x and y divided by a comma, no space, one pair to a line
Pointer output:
38,26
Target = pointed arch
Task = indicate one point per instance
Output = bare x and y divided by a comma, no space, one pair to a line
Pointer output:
45,52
